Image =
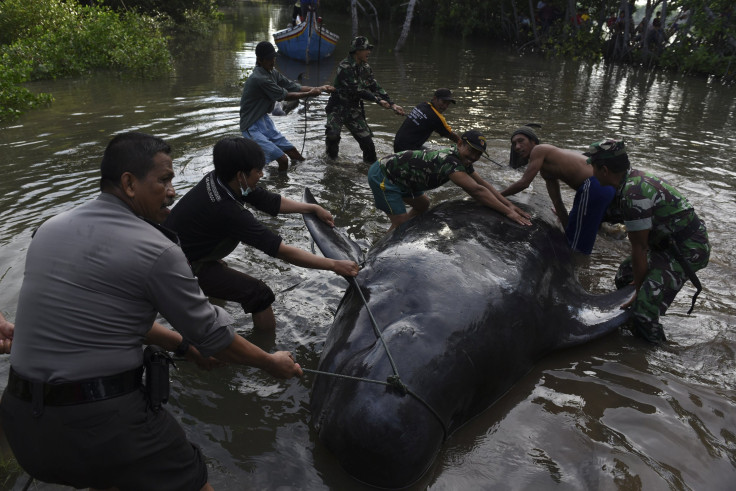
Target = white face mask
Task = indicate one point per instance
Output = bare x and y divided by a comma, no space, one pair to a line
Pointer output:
245,191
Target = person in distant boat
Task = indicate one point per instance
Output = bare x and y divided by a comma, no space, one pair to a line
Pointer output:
309,6
425,118
669,243
211,220
554,165
263,88
296,12
74,410
354,83
6,335
403,178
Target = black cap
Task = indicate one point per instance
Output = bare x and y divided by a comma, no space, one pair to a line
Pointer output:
265,50
475,139
444,95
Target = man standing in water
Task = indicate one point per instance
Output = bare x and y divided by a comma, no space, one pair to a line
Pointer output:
354,83
669,243
264,87
555,165
402,178
425,118
212,219
74,410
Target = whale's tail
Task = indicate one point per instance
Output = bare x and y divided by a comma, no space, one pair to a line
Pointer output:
333,242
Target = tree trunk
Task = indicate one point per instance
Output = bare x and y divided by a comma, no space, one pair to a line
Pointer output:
354,15
533,18
407,24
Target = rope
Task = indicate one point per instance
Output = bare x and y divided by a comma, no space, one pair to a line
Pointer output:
304,140
392,380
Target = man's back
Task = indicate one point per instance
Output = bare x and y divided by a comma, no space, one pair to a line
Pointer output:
568,166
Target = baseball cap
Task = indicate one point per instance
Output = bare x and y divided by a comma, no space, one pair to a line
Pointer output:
265,50
475,139
444,95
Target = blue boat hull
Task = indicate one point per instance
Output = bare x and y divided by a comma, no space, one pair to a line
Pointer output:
306,42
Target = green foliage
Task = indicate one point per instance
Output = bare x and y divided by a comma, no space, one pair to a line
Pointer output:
179,10
707,44
51,38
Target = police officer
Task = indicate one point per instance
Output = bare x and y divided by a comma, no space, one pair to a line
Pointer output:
354,83
668,240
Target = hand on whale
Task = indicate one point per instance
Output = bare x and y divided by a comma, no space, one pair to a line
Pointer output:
449,311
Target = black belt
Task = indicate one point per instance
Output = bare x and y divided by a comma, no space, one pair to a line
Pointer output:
90,390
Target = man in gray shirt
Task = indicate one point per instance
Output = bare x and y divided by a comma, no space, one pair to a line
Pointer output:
265,86
96,276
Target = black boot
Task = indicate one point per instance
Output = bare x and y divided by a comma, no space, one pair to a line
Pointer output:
652,332
333,146
369,149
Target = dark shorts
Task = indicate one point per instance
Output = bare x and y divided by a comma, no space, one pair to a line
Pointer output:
218,280
116,442
387,196
590,205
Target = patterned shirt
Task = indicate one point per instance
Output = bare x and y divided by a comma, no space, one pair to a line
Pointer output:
650,203
420,170
353,82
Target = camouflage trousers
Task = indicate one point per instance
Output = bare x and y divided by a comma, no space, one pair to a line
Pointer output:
353,119
663,281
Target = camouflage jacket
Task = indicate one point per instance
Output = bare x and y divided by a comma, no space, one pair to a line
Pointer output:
420,170
353,83
650,203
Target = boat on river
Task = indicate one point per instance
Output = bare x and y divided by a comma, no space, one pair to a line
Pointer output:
306,41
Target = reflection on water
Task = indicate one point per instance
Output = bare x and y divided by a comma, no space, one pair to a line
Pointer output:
613,414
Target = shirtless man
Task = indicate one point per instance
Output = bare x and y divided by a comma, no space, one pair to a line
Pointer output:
555,165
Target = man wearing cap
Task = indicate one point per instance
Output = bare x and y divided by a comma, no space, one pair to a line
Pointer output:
402,178
425,118
264,86
354,83
554,165
668,240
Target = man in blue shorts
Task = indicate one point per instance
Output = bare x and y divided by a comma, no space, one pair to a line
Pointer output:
555,165
262,89
402,178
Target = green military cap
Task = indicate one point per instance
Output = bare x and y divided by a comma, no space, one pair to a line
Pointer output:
605,149
360,42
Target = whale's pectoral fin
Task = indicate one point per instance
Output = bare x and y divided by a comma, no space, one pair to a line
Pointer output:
332,241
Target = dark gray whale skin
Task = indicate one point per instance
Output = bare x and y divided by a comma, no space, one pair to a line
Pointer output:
467,302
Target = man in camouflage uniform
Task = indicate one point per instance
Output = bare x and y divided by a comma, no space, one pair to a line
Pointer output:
402,178
668,240
354,82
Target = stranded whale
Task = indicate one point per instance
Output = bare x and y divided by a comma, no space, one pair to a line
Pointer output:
448,312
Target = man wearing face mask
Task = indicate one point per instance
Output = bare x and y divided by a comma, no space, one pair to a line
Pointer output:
211,220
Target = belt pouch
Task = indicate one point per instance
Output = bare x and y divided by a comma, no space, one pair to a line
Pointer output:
156,362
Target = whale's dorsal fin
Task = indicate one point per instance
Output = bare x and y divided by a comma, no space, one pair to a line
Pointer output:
333,242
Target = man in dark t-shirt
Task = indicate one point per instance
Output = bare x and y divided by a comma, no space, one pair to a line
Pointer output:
211,220
425,118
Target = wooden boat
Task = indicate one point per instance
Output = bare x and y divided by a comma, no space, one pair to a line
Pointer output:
306,41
